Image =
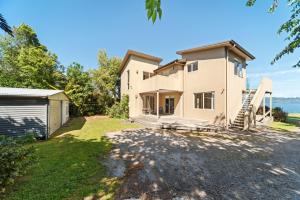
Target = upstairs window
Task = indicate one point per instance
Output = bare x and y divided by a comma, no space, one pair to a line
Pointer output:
238,69
192,66
146,75
204,100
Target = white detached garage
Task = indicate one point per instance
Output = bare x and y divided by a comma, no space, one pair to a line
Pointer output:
32,110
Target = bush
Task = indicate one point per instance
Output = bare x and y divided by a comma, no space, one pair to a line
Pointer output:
120,109
16,156
279,115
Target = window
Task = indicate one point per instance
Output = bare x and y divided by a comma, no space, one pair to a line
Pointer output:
192,67
238,69
199,100
146,75
205,100
128,75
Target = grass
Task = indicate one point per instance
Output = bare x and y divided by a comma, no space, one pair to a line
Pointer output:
292,124
69,164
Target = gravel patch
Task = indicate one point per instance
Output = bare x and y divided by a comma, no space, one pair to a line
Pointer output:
156,164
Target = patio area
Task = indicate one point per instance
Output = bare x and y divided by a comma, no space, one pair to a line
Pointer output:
176,123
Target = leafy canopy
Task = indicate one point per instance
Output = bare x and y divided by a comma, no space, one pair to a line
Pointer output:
106,80
4,25
80,90
25,62
153,9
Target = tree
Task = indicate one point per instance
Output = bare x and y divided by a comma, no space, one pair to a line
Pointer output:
4,26
153,9
106,80
25,62
290,27
80,90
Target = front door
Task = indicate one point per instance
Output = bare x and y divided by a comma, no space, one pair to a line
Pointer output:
169,105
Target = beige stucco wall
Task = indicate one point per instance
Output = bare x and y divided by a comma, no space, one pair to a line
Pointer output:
176,97
236,85
209,77
136,66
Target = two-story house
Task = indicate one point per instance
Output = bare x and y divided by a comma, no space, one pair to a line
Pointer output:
207,83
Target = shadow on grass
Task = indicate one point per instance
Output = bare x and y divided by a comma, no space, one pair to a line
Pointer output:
68,168
73,124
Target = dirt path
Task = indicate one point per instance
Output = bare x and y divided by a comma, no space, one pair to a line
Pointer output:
170,165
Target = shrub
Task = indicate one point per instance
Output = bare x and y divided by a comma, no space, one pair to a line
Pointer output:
120,109
279,115
16,156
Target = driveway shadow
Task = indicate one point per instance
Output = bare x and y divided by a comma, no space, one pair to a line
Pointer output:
168,164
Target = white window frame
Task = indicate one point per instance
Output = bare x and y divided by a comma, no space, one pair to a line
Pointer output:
192,66
213,100
238,68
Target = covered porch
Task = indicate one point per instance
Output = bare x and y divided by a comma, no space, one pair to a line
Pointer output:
162,103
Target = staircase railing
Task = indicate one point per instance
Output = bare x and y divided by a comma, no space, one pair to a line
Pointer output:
250,114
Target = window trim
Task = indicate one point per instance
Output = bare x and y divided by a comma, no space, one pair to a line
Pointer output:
202,94
191,66
238,68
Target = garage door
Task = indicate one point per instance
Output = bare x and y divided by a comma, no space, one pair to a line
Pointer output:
21,116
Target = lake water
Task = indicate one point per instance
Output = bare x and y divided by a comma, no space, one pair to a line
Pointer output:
290,105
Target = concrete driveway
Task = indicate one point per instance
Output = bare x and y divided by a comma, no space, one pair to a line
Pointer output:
171,165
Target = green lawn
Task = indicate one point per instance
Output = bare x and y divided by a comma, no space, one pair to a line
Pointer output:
292,124
69,164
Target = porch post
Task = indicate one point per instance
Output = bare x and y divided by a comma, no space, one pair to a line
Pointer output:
157,104
264,106
271,104
181,105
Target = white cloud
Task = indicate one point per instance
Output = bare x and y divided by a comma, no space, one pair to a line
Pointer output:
274,73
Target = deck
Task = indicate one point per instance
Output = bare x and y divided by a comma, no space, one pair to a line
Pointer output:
176,123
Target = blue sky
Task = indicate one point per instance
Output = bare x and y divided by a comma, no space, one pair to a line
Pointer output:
76,30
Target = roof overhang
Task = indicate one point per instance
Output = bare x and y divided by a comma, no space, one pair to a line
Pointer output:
230,44
162,91
137,54
170,64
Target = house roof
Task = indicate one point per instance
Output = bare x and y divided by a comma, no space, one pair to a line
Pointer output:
234,46
138,54
176,61
24,92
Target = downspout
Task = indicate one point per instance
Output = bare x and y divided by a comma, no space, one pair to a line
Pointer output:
183,91
226,80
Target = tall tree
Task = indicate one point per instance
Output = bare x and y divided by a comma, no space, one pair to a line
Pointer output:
290,27
80,90
4,25
106,79
25,62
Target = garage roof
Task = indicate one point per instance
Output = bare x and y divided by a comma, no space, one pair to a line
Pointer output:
24,92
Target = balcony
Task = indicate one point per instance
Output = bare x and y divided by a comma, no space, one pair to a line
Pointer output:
160,82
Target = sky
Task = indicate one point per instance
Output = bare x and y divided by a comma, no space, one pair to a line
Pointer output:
75,30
